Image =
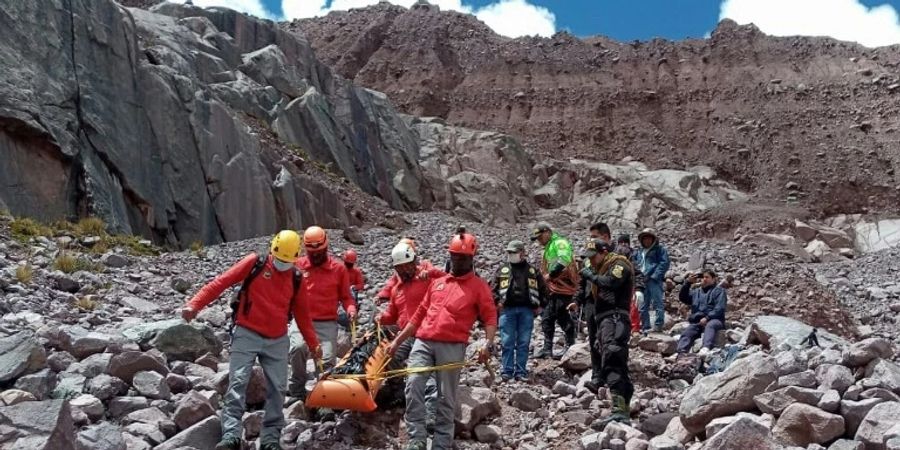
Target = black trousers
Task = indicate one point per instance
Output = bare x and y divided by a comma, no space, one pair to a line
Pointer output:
613,333
596,357
554,313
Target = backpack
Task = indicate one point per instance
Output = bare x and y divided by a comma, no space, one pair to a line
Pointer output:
723,359
686,367
241,300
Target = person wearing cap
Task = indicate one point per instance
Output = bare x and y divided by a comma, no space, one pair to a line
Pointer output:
270,294
560,272
326,284
652,259
611,283
442,326
623,245
519,291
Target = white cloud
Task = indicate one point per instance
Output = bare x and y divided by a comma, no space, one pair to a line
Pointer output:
512,18
254,7
847,20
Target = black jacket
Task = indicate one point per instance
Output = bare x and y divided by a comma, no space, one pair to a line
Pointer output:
612,290
521,283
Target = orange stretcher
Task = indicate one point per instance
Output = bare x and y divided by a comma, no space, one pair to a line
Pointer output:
344,387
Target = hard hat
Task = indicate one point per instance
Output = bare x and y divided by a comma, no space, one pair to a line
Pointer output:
409,241
350,256
315,239
403,253
286,246
464,244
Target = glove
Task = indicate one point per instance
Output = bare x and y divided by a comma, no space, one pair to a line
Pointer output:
587,274
557,270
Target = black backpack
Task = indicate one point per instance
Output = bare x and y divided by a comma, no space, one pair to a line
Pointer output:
241,300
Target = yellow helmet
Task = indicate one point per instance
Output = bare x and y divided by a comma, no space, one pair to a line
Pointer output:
286,246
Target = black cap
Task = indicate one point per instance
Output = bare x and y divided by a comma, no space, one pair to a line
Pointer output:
624,238
595,246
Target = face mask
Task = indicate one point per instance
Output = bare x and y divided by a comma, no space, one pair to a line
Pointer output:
318,258
514,258
281,266
461,265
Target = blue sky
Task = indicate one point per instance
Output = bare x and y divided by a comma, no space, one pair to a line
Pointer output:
870,22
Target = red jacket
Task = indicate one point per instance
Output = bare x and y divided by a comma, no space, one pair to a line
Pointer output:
385,292
357,280
451,306
269,294
324,286
406,298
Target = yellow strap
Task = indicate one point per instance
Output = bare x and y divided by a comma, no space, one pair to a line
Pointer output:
353,330
402,372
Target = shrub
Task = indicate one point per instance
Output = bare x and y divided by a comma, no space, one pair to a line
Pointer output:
86,303
23,229
90,226
25,273
67,263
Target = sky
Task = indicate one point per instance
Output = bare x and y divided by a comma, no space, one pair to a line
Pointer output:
869,22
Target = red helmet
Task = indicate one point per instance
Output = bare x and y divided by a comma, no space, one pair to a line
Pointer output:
464,244
350,256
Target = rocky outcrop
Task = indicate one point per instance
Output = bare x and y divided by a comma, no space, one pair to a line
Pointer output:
630,196
157,123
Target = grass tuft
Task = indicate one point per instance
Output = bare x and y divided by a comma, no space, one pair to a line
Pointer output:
25,273
67,263
86,303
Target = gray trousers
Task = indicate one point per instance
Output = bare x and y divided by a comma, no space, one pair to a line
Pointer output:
327,333
400,360
246,347
425,354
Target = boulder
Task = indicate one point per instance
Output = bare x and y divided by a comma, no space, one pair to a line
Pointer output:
863,352
151,385
103,436
105,387
743,433
678,432
202,435
802,424
354,236
846,444
20,354
114,260
82,343
91,366
39,384
487,433
126,364
69,386
881,393
665,443
877,423
774,331
186,342
594,441
656,424
879,235
833,376
526,400
91,406
563,388
122,406
886,373
256,390
804,231
475,405
728,392
139,305
776,402
658,343
806,379
192,408
577,358
831,401
855,411
719,424
45,425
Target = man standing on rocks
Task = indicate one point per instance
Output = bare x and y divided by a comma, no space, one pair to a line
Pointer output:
270,295
708,303
652,259
560,272
611,283
325,285
519,291
442,325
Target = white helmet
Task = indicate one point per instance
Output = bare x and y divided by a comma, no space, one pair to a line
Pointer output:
403,253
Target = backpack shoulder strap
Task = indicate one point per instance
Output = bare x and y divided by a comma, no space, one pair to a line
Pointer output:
297,282
254,272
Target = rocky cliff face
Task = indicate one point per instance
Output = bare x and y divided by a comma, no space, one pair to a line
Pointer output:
158,123
806,120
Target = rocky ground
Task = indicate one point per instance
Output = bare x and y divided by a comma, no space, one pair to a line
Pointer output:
96,358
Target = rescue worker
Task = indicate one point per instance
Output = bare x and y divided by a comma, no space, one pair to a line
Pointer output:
405,296
357,284
325,285
270,294
423,268
708,303
611,284
442,325
652,259
519,291
560,272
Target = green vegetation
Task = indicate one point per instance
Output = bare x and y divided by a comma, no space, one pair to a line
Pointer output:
25,229
67,263
25,273
86,303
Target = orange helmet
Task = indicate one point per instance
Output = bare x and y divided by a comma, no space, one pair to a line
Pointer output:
350,256
464,244
315,239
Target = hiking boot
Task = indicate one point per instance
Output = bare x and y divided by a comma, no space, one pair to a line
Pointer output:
593,386
522,378
546,352
505,378
229,443
270,446
559,356
417,445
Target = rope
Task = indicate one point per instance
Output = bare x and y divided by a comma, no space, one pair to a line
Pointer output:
402,372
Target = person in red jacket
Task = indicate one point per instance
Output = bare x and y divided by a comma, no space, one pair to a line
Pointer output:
266,304
423,269
442,325
325,285
357,284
